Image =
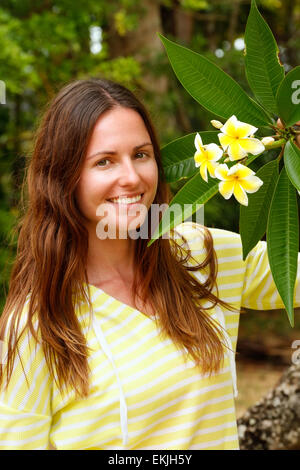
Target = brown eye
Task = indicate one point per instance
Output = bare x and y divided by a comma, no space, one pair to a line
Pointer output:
141,153
102,161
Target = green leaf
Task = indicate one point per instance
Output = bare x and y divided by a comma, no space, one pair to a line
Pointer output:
288,98
254,218
195,192
178,156
212,87
263,68
292,163
283,240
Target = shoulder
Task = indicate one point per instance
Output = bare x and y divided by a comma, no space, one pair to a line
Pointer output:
30,379
192,236
194,232
18,323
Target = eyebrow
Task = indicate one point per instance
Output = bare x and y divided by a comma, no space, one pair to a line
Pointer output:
112,152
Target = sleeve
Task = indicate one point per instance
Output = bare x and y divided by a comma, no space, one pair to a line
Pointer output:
259,289
25,405
247,283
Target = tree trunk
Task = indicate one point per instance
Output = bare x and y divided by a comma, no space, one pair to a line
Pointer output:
145,46
274,422
233,22
183,23
143,43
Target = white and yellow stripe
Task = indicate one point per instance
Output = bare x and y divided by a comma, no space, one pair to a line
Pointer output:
144,393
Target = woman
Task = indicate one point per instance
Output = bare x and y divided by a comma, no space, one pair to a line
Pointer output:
110,344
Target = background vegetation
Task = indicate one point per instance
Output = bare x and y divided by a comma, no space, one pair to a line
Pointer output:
47,43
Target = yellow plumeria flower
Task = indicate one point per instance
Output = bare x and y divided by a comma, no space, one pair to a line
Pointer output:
238,180
206,157
236,138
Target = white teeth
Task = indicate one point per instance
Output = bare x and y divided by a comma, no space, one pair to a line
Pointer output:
126,200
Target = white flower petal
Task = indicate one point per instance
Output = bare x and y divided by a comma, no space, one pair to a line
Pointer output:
214,152
244,171
225,140
251,184
226,188
198,142
229,126
212,166
240,194
221,172
235,151
243,129
267,140
253,146
203,171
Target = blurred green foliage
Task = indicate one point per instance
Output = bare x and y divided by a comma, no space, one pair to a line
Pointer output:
47,43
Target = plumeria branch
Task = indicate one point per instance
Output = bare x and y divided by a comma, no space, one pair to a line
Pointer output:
281,154
237,141
275,144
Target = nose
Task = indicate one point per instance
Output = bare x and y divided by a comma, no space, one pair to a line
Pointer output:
129,175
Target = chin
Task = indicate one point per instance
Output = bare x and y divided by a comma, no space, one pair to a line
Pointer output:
112,230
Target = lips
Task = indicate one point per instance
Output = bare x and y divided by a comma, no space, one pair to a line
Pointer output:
128,197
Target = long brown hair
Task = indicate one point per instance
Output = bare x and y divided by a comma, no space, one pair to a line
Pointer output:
49,270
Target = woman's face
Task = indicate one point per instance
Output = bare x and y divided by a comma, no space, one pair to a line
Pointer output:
119,162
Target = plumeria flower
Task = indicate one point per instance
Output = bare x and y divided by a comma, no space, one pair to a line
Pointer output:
236,138
238,180
267,140
206,157
217,124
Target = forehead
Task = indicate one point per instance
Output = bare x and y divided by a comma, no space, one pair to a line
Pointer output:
119,124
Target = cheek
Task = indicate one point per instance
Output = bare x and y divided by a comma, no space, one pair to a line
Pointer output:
152,176
86,191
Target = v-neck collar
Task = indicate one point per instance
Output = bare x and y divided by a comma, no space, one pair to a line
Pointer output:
119,302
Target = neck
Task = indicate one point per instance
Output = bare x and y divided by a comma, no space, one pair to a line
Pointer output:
109,259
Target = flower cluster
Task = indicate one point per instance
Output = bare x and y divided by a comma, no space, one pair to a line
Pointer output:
236,139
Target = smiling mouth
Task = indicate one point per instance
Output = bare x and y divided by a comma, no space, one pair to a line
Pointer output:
124,202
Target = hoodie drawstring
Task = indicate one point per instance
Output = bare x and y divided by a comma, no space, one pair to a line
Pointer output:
123,406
